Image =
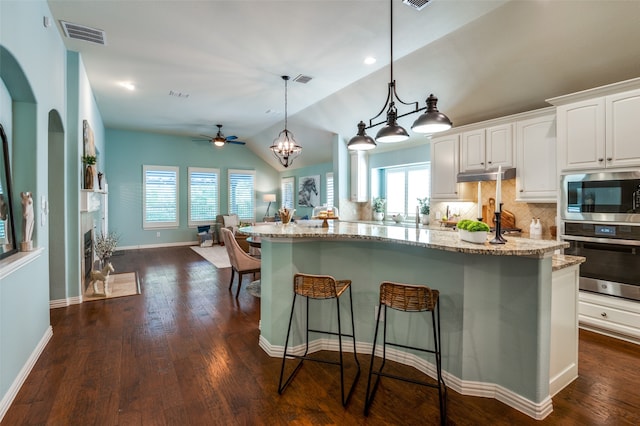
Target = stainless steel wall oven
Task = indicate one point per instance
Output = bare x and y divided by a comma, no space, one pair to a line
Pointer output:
601,222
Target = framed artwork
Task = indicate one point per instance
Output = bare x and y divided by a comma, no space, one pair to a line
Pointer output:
309,191
87,136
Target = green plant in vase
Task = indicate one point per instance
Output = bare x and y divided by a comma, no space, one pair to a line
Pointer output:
89,161
378,208
424,209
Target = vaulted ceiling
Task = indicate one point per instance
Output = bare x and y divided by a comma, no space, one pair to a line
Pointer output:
199,63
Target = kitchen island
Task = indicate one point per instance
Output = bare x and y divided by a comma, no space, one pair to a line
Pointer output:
495,301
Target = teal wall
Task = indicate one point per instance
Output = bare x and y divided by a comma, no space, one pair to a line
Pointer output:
128,151
416,154
32,68
317,169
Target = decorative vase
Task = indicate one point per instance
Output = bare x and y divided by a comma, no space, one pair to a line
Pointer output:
88,177
425,219
378,216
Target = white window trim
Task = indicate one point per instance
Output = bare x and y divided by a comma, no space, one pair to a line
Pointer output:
196,223
160,225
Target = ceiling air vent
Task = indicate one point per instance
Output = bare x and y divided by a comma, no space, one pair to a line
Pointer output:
80,32
304,79
416,4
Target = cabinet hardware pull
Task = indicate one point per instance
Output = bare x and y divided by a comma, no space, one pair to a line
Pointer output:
603,315
522,190
482,163
609,159
600,159
490,162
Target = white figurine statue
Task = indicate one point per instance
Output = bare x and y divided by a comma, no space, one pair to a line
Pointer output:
27,221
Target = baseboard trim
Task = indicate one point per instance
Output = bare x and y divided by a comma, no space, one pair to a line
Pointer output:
63,303
159,245
538,411
8,397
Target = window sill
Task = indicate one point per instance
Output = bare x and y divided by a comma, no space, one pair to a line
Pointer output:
12,263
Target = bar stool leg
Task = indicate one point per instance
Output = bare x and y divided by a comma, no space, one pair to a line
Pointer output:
345,401
369,396
281,387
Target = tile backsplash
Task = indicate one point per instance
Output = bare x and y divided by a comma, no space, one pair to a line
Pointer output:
523,212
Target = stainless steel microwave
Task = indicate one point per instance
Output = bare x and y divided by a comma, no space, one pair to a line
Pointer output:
601,197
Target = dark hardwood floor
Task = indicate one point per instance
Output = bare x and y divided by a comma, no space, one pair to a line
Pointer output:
186,352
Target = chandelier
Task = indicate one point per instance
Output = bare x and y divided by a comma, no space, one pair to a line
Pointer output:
431,121
285,148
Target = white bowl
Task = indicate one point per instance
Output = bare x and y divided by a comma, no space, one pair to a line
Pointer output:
398,218
479,237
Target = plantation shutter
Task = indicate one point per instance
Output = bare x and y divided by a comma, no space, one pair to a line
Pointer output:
241,193
160,196
203,195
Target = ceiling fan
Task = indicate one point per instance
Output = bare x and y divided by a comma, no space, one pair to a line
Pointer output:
219,139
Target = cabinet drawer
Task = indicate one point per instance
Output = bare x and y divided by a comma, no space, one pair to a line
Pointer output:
609,314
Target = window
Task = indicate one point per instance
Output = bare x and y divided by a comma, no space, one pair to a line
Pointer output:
404,185
241,193
330,200
203,195
160,197
286,192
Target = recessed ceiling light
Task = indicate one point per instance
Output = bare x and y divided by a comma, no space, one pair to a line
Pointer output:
127,85
369,60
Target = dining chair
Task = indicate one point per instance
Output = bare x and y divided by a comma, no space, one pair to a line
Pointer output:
240,261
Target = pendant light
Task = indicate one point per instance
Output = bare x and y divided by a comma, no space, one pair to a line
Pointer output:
361,141
285,148
430,122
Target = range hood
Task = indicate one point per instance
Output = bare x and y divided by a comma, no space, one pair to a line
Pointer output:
484,175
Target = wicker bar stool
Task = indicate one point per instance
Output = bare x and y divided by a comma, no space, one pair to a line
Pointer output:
408,298
320,287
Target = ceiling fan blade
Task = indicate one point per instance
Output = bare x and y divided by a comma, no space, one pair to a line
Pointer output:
236,142
201,140
232,138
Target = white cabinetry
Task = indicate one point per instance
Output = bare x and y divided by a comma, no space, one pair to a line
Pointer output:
358,176
536,177
598,128
90,200
487,148
612,316
622,129
563,347
444,167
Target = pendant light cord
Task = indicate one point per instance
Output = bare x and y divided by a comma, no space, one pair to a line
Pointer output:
391,38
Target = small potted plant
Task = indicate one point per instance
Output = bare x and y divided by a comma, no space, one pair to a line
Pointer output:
89,161
473,231
378,208
424,209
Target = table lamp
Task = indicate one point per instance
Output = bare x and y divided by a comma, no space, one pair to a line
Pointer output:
271,198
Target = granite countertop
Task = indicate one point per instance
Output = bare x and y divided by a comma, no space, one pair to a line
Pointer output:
421,237
561,261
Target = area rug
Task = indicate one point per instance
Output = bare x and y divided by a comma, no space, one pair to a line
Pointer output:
255,288
120,285
217,255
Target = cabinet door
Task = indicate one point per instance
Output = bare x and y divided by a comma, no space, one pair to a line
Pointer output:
536,178
444,167
623,128
499,146
581,135
473,151
358,176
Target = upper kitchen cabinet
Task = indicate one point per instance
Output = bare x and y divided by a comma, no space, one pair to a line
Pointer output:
536,176
444,167
487,148
598,128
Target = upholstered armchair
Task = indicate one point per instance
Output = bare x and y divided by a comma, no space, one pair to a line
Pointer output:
240,261
232,223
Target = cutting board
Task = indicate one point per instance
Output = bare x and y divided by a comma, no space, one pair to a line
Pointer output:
508,219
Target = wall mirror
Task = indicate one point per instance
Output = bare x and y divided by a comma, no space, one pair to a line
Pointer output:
7,230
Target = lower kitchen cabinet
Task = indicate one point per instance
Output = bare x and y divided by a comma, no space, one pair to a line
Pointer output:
563,346
612,316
